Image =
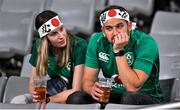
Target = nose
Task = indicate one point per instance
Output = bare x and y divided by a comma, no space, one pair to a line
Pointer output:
115,31
59,34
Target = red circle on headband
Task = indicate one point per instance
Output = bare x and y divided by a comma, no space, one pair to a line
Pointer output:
55,22
112,13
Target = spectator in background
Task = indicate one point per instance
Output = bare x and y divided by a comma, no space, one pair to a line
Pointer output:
126,55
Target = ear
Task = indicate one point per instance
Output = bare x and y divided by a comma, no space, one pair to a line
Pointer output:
130,25
102,29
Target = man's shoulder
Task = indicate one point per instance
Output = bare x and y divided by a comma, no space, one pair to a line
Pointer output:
140,35
96,36
143,38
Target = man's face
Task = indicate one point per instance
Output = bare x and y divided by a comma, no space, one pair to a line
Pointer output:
114,26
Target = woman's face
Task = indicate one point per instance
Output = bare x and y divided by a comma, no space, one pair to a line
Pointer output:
58,37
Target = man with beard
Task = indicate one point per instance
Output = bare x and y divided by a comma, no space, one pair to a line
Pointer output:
126,55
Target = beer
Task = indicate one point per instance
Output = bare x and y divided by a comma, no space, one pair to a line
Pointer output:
42,93
106,84
105,96
40,84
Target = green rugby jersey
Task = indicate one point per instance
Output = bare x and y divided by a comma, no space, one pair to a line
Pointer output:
79,52
141,53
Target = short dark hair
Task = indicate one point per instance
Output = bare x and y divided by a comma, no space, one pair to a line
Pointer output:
43,17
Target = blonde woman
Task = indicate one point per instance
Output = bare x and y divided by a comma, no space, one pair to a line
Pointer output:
57,54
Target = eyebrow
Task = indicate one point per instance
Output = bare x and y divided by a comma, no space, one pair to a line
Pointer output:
56,30
52,32
114,25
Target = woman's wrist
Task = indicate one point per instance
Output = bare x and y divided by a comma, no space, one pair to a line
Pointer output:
47,99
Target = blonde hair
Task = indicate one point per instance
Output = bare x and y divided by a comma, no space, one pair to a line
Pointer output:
42,59
63,60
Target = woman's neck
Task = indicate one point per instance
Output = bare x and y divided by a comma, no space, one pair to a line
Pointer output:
56,50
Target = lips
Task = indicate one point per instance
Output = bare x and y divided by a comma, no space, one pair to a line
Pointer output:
61,42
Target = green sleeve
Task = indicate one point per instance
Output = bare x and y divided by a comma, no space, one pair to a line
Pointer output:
146,53
34,52
91,55
80,52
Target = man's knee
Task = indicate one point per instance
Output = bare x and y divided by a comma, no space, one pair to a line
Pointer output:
79,97
137,98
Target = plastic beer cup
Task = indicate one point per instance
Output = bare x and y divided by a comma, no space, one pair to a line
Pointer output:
40,84
106,87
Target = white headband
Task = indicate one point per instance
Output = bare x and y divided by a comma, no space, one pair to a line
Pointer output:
115,13
49,26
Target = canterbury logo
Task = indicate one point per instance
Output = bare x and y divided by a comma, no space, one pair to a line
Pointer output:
104,57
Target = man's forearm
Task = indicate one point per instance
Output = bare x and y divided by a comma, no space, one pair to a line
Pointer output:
87,86
128,77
